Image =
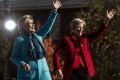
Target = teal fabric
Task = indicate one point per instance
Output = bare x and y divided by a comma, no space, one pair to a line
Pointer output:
39,68
35,47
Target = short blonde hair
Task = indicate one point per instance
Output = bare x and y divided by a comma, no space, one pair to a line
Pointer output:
22,21
26,17
75,22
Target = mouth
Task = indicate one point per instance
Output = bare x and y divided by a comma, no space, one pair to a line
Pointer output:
79,31
32,29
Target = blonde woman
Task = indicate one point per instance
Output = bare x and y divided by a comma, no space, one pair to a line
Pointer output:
78,63
28,52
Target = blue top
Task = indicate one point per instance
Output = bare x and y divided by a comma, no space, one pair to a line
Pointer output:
20,49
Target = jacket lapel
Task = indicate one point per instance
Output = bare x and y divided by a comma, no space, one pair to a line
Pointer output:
40,42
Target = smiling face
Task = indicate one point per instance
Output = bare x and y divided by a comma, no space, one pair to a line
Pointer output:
28,23
77,26
30,27
78,29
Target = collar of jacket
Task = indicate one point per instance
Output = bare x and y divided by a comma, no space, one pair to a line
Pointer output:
75,38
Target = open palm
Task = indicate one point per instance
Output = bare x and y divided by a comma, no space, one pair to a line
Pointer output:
57,4
111,13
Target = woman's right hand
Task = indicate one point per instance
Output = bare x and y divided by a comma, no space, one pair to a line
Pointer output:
26,67
60,74
57,4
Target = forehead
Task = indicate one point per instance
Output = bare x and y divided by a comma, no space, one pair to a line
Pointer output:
80,25
28,20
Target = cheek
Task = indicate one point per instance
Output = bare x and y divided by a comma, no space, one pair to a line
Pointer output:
78,29
81,29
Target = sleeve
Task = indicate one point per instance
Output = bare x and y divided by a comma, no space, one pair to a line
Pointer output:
96,34
61,50
15,56
48,25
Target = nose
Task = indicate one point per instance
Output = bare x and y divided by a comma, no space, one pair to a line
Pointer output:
33,25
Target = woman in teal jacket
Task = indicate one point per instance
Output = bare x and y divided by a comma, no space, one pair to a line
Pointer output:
28,51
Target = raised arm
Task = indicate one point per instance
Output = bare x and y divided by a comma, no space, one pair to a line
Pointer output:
109,15
48,25
103,27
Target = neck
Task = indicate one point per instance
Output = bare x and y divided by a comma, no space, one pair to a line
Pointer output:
78,35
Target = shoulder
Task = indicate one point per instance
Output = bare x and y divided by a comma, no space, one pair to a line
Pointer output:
66,37
19,39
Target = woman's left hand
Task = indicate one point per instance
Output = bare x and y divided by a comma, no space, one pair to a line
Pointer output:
57,4
111,13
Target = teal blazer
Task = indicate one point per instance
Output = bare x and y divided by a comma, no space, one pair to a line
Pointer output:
20,49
